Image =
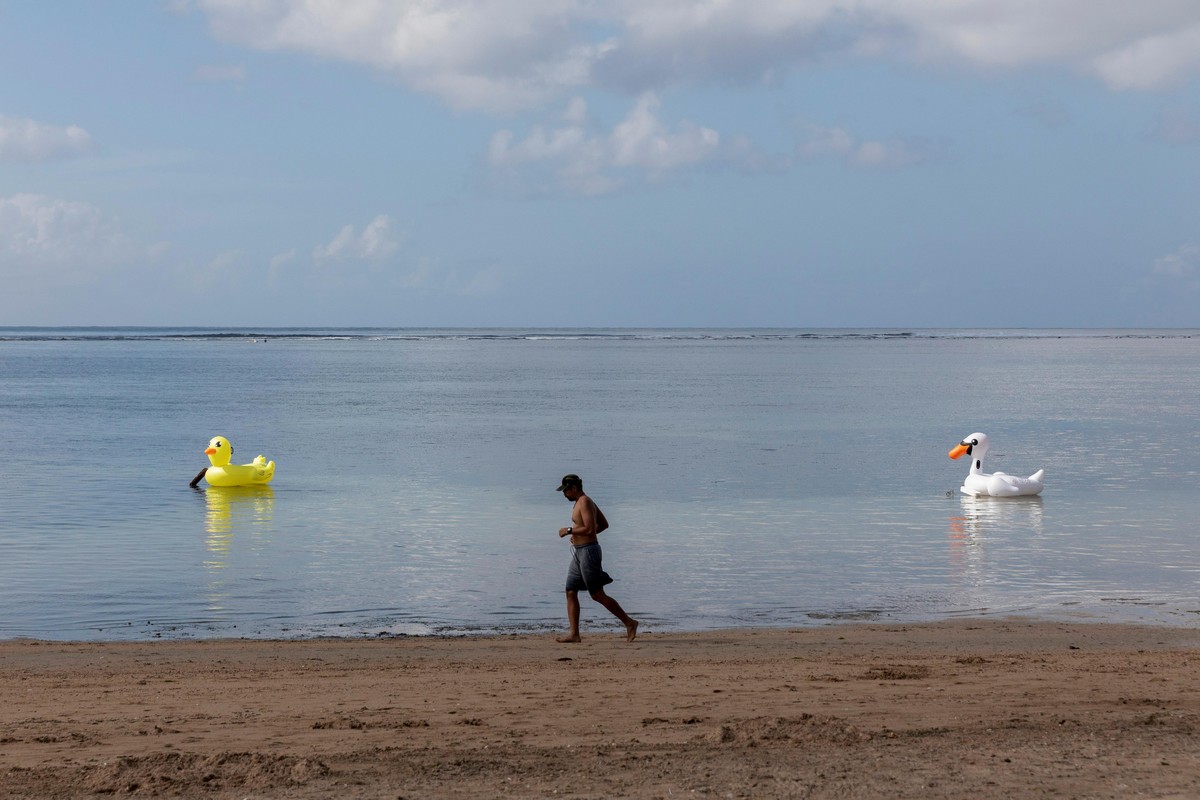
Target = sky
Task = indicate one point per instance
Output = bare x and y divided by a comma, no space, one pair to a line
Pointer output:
600,163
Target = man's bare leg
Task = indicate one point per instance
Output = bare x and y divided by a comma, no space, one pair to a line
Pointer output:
631,624
572,618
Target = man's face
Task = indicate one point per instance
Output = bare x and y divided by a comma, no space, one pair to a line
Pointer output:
572,493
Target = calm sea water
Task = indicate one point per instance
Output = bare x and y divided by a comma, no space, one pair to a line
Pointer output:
754,477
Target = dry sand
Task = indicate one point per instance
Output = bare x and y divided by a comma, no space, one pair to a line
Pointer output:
969,708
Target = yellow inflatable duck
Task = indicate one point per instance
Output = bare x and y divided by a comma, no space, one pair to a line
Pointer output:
222,473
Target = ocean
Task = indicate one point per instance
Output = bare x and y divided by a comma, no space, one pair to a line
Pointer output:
751,477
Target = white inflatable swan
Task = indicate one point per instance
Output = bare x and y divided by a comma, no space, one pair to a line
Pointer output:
979,483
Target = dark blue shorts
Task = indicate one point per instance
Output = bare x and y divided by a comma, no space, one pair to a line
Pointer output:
585,571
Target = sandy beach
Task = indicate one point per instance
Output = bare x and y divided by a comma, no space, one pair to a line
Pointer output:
979,708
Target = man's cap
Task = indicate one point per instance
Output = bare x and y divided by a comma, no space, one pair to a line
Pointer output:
570,480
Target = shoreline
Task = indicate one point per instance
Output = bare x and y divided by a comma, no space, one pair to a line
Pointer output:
994,707
599,624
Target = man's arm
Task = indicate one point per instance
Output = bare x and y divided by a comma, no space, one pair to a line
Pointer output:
601,522
196,479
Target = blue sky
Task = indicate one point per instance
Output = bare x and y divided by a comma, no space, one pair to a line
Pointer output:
894,163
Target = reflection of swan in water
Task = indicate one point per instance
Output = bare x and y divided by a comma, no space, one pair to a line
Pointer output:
983,514
985,517
231,509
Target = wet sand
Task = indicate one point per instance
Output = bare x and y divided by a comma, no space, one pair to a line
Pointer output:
968,708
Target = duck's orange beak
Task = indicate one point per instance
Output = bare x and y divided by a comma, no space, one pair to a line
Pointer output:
212,451
958,451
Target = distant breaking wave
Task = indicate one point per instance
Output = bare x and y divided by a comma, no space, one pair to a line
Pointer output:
257,335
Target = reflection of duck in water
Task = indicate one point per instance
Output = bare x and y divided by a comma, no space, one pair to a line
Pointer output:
996,484
229,509
259,472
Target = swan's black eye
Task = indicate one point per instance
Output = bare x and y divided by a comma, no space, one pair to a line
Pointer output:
974,442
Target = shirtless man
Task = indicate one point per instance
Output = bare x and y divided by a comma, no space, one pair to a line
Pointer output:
586,572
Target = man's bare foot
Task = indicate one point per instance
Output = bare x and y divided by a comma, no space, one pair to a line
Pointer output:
631,630
569,639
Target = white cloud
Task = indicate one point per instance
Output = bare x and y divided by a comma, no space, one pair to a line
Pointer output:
1184,263
663,42
374,244
26,140
472,53
520,53
576,159
641,140
826,142
43,235
821,142
1152,62
282,259
1144,45
224,269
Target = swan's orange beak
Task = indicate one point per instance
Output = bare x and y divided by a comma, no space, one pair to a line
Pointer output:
958,451
212,451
